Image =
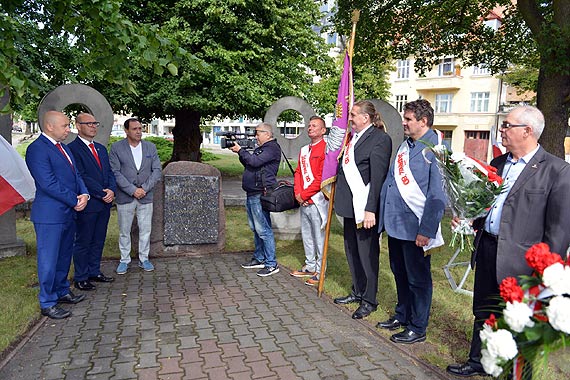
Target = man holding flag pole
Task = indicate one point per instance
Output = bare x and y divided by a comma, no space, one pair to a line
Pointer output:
336,140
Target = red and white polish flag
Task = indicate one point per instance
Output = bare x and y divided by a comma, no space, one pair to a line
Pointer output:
16,183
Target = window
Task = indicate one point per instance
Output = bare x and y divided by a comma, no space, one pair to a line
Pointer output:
493,24
443,103
445,67
481,70
403,67
477,135
479,102
447,137
400,101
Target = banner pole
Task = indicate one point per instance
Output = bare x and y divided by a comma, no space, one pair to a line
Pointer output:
355,17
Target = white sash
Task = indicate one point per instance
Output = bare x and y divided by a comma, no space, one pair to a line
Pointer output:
308,178
411,192
358,189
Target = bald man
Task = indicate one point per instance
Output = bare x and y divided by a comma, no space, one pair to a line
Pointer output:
60,194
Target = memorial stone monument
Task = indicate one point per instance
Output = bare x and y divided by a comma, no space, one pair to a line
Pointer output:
189,204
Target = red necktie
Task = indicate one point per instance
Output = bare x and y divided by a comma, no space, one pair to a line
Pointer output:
63,152
95,154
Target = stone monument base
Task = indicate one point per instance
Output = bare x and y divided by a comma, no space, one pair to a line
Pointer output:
10,244
286,225
186,169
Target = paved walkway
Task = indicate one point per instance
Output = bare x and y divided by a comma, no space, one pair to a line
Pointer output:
206,318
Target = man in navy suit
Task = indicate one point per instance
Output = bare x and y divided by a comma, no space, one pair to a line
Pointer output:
60,194
93,165
137,170
412,203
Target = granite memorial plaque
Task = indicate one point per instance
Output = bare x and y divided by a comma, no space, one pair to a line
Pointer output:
191,209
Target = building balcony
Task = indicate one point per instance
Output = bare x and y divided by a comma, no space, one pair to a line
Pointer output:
446,82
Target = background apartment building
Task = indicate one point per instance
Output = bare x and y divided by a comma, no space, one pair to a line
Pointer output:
468,102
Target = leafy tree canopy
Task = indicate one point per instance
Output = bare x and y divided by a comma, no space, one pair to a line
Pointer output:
432,29
46,43
245,54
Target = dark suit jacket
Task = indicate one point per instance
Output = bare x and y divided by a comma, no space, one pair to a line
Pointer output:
372,157
96,179
536,210
57,183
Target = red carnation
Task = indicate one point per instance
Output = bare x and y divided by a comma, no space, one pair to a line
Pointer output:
511,291
538,313
539,257
492,321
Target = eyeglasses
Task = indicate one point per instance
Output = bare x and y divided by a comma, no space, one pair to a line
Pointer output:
507,125
90,123
257,131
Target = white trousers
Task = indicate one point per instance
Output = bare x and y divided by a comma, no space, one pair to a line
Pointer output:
126,213
313,237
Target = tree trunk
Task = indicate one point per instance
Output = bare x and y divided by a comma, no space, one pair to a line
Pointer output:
28,130
553,99
187,136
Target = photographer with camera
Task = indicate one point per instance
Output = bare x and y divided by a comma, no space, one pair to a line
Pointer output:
260,173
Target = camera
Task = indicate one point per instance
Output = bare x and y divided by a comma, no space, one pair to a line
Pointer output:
245,140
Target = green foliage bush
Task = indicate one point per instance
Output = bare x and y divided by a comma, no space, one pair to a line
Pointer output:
164,148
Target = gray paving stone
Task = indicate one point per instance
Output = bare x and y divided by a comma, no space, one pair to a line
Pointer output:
182,322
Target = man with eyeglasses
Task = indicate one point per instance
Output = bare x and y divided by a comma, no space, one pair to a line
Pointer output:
93,165
533,208
260,174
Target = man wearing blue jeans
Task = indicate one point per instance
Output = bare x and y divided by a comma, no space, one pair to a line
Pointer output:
260,173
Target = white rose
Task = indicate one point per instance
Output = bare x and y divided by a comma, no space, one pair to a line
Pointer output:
440,149
558,312
490,364
517,315
458,156
557,278
502,345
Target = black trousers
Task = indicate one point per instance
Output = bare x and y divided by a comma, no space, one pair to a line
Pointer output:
486,295
362,248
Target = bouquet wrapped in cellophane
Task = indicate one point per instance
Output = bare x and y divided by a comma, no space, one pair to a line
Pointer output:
471,186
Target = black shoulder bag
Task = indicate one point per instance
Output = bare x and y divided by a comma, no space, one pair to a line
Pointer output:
281,197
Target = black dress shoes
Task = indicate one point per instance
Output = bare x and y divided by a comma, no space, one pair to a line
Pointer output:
101,278
84,285
390,324
408,337
346,300
56,312
464,370
71,298
363,310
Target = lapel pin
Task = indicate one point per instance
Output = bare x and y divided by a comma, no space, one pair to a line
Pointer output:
534,166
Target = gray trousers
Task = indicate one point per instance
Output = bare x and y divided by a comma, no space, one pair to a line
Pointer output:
313,237
126,214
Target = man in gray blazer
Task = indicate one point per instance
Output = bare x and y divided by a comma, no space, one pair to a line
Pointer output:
412,202
534,208
137,169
